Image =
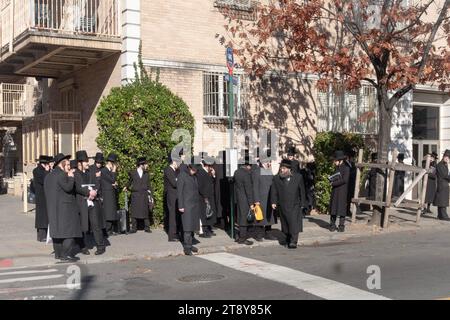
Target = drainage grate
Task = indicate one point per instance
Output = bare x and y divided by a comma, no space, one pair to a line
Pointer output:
202,278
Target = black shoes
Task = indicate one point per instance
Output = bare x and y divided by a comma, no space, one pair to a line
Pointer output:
341,229
205,235
259,239
245,241
133,231
292,246
444,218
85,251
187,252
194,249
270,237
332,228
148,231
99,252
69,259
212,233
195,241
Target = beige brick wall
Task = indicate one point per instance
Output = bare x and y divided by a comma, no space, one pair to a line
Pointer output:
92,84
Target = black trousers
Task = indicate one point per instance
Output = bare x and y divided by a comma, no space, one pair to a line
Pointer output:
442,213
94,223
134,223
243,232
259,232
41,235
341,220
187,240
172,219
111,226
63,247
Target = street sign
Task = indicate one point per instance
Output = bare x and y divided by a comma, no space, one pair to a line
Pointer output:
235,79
230,60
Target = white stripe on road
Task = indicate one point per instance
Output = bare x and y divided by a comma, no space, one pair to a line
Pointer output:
320,287
55,287
31,279
27,272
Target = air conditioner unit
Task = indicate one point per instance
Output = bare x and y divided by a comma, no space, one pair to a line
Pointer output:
235,4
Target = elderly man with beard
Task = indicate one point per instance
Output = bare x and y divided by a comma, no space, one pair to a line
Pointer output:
288,196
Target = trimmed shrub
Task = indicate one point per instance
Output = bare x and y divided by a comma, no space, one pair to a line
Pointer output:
138,120
325,144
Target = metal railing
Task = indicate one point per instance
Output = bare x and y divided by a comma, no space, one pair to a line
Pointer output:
16,99
99,18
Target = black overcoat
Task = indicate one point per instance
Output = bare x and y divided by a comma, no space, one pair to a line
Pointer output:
399,183
262,180
243,191
289,196
206,188
431,184
139,188
441,200
109,194
338,205
41,218
170,191
189,200
62,208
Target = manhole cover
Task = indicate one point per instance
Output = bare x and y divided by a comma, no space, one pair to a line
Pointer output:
201,278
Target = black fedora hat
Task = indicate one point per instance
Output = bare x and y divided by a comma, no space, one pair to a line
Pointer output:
292,151
434,154
339,155
401,157
112,158
141,161
81,156
60,157
286,163
44,159
99,158
73,164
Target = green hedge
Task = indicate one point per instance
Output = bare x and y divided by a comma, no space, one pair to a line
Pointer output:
138,120
325,144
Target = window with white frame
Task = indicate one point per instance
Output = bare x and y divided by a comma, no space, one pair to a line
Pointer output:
349,111
216,95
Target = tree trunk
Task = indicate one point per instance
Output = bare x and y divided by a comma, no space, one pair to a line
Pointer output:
384,140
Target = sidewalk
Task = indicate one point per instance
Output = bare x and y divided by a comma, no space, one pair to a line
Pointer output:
19,248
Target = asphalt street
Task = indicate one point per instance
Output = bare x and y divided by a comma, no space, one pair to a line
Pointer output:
409,265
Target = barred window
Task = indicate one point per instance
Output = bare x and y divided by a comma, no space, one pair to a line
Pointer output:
350,111
216,96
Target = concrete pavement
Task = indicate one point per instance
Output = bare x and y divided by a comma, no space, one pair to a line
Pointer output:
19,248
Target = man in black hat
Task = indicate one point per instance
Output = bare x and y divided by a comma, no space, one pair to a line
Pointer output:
350,162
243,190
441,200
206,179
96,171
295,164
64,220
399,178
41,217
339,182
108,186
88,204
262,178
431,184
172,224
189,206
139,187
288,197
372,178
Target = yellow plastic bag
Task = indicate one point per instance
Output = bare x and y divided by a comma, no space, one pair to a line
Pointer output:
259,213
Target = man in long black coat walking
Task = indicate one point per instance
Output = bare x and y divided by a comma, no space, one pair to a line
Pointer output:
431,184
88,204
64,219
262,179
441,199
41,218
189,200
108,185
339,200
289,198
140,188
171,216
243,190
96,170
206,181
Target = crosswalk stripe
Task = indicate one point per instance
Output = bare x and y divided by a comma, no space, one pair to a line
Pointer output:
16,290
317,286
31,279
14,273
